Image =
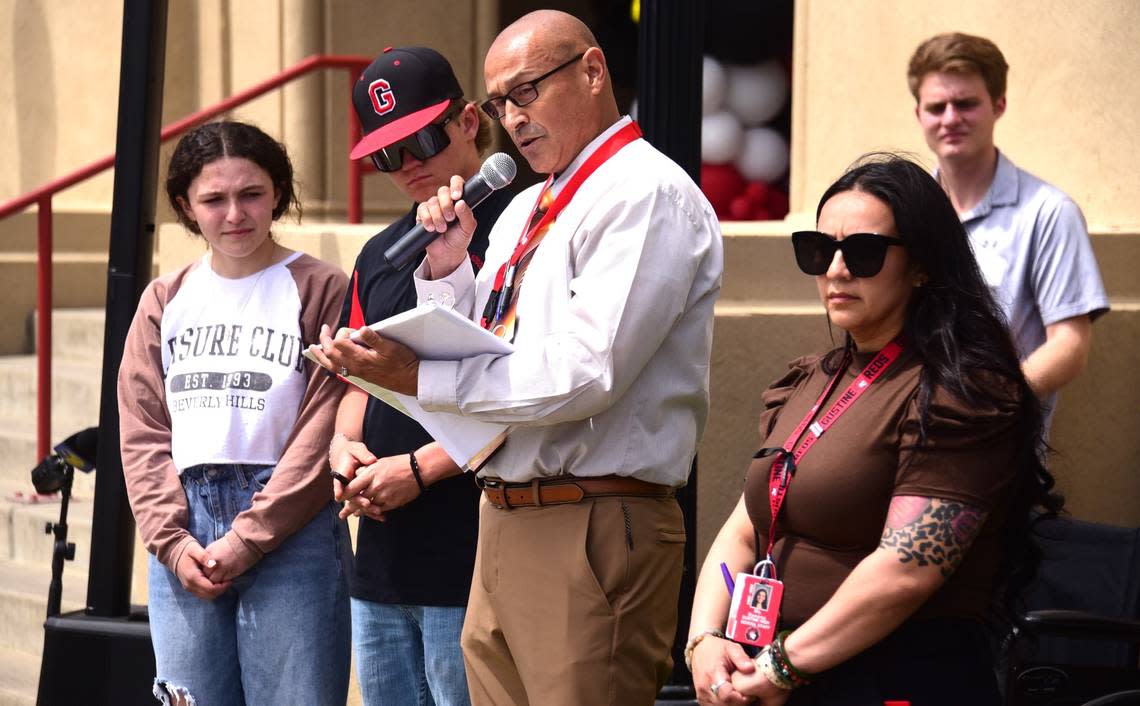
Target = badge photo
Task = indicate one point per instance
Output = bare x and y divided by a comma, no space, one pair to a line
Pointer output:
755,609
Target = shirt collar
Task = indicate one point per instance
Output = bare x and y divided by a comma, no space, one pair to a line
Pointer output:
586,152
1002,191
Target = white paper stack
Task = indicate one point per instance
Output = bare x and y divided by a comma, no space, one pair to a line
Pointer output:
438,333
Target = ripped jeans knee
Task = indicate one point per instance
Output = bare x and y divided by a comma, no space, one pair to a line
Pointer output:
171,695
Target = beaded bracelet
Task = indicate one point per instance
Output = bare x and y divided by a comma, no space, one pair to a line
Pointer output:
782,670
416,471
780,657
766,665
696,640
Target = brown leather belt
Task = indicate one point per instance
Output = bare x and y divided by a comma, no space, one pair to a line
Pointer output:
562,490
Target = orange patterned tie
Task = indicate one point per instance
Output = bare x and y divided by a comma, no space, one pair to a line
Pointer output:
507,325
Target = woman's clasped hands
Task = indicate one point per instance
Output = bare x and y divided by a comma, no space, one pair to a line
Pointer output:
724,674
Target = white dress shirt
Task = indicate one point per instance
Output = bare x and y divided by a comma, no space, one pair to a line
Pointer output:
610,373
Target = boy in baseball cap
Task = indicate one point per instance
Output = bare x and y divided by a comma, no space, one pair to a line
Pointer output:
412,572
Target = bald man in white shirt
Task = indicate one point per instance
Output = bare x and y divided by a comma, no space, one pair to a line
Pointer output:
580,543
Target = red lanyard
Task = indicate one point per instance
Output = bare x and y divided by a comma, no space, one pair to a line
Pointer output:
500,294
794,448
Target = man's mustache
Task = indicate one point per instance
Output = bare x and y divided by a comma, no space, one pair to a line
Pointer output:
523,134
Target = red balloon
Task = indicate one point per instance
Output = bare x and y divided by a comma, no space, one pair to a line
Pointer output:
760,213
758,191
721,183
778,203
741,209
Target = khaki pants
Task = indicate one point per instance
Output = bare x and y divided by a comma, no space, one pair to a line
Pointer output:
574,605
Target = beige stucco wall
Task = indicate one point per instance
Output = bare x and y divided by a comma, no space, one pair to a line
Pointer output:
1072,95
59,86
59,80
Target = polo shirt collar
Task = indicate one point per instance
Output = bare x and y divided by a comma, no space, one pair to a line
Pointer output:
1002,191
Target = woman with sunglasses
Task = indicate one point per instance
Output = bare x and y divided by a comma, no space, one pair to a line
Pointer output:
901,469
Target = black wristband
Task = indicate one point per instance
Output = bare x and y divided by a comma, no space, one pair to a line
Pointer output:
416,471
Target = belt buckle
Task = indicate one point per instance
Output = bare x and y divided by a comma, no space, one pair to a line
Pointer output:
499,485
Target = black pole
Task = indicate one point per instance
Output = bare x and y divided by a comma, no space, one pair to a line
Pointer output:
129,266
670,45
669,62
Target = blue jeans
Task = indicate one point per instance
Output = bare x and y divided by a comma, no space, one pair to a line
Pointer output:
407,654
280,634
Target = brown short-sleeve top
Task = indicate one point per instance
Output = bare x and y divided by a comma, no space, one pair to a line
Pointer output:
836,505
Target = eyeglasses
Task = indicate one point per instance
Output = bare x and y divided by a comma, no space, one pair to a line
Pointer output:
422,144
863,253
522,94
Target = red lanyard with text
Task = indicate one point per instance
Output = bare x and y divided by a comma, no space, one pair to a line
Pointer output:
504,279
794,448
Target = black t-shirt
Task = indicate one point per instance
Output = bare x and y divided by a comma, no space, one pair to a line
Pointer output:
424,552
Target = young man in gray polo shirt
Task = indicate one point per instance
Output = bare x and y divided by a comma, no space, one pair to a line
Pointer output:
1029,238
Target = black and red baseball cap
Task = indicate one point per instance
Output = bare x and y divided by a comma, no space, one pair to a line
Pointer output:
403,90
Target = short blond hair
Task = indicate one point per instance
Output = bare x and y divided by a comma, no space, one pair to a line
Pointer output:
955,52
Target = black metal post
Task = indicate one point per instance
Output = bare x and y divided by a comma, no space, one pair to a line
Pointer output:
670,47
128,271
669,55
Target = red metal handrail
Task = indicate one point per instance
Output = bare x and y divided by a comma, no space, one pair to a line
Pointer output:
42,197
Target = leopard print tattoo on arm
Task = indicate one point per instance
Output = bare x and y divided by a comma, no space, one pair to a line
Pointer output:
931,531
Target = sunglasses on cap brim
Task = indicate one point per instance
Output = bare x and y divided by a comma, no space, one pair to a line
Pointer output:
422,144
863,253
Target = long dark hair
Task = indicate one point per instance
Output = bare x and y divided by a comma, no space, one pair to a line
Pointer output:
955,327
229,138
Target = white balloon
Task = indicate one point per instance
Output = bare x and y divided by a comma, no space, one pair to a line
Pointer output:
756,94
763,155
721,135
714,84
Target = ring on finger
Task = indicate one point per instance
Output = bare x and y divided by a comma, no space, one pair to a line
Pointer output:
717,685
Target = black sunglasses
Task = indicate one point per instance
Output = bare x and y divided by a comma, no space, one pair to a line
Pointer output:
522,94
863,253
422,144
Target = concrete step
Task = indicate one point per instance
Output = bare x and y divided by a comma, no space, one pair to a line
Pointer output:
19,678
23,537
75,394
76,335
72,232
18,457
23,602
79,280
759,266
28,540
1118,256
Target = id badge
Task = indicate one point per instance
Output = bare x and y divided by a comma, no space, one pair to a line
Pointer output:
755,609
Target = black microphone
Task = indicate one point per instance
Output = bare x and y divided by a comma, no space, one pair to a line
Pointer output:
497,171
77,451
